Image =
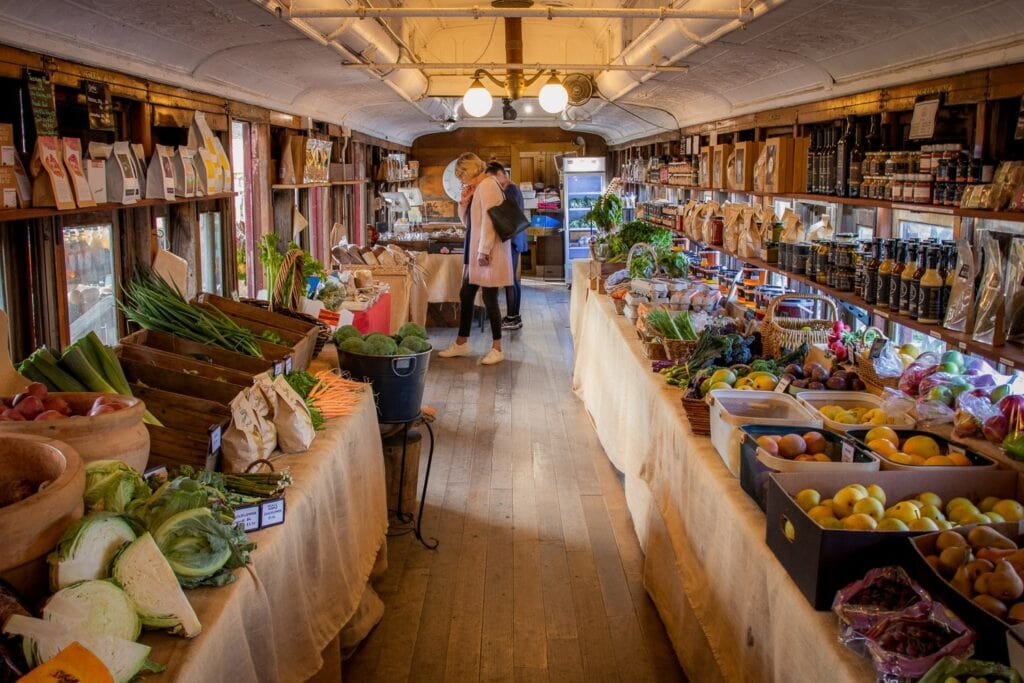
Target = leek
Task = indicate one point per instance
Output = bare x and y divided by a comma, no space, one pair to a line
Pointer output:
75,360
44,362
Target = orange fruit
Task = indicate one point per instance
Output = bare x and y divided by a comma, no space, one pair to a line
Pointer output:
925,446
939,461
900,458
916,459
883,446
882,433
821,457
959,459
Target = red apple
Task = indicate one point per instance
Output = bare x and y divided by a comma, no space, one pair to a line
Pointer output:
995,428
48,415
29,407
1012,408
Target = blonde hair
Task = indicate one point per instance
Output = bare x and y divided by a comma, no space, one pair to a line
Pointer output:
469,165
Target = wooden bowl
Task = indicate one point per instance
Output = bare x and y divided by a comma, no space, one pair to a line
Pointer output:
31,527
113,436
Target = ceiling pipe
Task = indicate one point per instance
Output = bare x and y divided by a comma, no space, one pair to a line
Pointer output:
659,13
520,65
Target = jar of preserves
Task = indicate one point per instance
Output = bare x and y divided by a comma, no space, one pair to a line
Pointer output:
938,193
870,160
924,159
803,251
890,184
959,194
950,196
897,187
922,188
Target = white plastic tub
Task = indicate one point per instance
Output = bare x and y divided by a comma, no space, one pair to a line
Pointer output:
734,408
815,400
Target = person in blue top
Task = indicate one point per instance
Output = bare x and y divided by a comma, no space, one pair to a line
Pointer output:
513,294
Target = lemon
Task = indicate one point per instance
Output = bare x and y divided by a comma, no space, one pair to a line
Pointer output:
807,499
860,522
922,445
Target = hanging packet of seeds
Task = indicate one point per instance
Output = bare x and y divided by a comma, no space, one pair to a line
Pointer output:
960,310
1014,291
988,325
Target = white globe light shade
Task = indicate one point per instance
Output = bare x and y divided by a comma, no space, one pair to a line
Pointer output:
477,101
553,96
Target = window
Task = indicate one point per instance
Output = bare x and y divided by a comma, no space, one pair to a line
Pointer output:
211,253
163,240
244,235
89,265
923,226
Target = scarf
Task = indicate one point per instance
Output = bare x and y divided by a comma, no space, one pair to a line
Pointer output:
467,192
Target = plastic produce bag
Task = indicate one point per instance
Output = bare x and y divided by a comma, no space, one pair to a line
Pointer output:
291,419
975,415
951,667
989,324
1014,291
924,365
883,593
896,403
960,308
908,646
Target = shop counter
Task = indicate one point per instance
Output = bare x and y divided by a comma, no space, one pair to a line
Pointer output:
730,609
281,619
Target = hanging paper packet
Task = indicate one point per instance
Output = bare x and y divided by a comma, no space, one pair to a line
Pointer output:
792,227
731,230
291,418
989,327
960,308
1014,291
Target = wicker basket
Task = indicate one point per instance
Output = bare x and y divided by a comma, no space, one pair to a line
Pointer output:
698,413
323,333
866,368
653,347
679,349
784,332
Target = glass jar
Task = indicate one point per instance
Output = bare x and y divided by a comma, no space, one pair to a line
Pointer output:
803,251
938,193
950,195
890,165
890,184
922,188
897,187
924,159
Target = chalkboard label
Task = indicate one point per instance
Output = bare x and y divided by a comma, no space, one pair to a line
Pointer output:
101,108
40,96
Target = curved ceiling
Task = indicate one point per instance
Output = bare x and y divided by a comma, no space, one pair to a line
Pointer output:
787,52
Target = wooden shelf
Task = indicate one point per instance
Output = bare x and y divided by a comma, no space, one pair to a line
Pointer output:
1017,216
1010,355
303,186
50,212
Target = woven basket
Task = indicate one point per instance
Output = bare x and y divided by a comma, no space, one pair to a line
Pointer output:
323,333
653,348
866,368
679,349
698,413
783,332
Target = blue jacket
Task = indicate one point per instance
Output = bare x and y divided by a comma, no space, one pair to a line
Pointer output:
513,192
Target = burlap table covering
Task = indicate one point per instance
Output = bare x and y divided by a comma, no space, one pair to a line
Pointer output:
307,576
581,269
729,607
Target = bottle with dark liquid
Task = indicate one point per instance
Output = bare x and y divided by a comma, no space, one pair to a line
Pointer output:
895,281
907,277
829,180
871,272
871,141
819,154
914,293
843,147
812,168
855,173
885,271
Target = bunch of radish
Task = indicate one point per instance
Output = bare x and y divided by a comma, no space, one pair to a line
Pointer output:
35,404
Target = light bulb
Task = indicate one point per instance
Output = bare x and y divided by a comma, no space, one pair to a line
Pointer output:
553,96
477,101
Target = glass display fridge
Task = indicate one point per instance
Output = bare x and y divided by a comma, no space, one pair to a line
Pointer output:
583,183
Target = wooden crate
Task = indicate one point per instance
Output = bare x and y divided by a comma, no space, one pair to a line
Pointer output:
171,343
189,424
179,382
300,336
165,360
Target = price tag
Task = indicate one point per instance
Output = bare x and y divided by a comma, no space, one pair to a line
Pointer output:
881,314
957,449
288,364
962,345
1006,361
876,348
935,334
271,512
215,436
783,384
848,451
278,367
159,472
248,516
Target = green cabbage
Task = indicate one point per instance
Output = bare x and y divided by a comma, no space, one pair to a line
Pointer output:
346,332
353,345
87,547
380,345
149,581
416,344
200,548
97,607
112,485
412,329
174,496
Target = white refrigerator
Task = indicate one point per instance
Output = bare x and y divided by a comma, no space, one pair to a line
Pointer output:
583,183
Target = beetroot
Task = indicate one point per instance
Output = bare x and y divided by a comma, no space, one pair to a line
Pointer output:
101,410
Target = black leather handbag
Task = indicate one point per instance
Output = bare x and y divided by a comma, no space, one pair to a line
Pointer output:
507,218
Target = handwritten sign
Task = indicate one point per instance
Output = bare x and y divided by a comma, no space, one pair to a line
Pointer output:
922,126
99,104
40,96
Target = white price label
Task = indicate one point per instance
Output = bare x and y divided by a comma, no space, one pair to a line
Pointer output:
271,512
847,455
288,364
881,314
957,449
935,334
962,345
783,384
1006,361
248,517
215,438
278,367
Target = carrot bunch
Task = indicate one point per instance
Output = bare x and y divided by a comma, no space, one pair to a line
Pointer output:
335,396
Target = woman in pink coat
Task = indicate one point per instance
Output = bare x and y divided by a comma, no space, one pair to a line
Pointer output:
487,259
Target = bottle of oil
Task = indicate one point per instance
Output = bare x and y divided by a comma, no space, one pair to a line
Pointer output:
914,293
885,271
907,276
871,272
894,277
930,296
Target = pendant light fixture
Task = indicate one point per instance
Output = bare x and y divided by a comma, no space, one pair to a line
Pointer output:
553,96
477,101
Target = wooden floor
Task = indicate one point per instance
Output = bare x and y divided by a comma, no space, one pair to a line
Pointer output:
538,573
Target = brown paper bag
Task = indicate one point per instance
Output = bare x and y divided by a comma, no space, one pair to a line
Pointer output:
731,227
822,230
792,227
751,234
50,184
250,436
291,418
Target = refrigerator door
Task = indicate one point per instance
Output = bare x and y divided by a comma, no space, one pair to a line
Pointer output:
581,191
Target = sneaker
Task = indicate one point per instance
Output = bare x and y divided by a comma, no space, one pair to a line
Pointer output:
455,350
493,357
512,323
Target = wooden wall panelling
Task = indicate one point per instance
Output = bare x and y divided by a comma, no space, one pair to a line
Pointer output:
183,225
284,205
19,286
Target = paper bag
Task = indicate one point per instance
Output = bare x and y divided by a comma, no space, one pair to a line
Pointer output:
792,227
751,234
79,182
209,173
139,160
96,170
291,419
758,178
251,435
731,227
184,173
160,178
8,188
227,180
23,183
822,230
50,184
122,181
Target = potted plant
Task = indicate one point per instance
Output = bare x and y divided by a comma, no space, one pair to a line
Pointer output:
605,214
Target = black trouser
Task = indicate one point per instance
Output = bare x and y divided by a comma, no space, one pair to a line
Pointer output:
467,295
514,293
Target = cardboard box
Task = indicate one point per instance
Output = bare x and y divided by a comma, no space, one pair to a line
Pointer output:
741,168
7,149
704,176
79,182
719,166
778,168
8,188
945,446
821,561
50,183
122,179
997,639
801,147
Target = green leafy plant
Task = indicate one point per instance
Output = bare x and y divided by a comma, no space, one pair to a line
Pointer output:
606,212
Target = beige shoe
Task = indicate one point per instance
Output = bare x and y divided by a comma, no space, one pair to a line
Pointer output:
493,357
455,350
